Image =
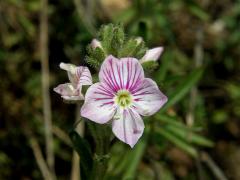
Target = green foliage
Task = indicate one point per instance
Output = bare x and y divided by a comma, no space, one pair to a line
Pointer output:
178,142
96,57
181,135
84,151
114,42
149,66
173,145
136,156
185,86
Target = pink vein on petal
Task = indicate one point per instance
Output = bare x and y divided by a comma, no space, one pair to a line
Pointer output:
113,74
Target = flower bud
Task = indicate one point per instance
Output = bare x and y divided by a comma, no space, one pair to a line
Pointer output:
95,43
78,76
152,54
68,67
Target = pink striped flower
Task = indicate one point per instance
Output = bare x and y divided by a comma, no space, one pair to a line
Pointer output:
121,96
78,76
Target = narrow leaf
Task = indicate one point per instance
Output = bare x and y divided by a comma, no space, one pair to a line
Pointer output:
183,88
135,159
190,137
83,149
174,121
178,142
132,158
164,62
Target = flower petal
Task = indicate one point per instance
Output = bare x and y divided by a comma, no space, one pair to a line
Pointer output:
68,92
128,126
84,76
126,73
99,104
152,54
148,99
78,75
73,98
71,70
68,67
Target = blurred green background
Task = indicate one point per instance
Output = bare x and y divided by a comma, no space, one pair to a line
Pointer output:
195,136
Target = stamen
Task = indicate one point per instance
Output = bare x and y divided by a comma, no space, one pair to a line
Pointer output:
123,98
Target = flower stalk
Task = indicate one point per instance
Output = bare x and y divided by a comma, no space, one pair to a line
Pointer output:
101,135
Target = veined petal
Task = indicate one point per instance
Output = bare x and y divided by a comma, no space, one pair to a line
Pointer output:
152,54
128,126
71,71
126,73
84,76
148,99
68,67
73,98
78,75
99,104
68,92
66,89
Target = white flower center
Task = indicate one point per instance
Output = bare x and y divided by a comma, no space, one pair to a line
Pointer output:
123,98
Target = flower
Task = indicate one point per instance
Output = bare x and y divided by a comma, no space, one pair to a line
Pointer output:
122,95
152,54
78,76
95,43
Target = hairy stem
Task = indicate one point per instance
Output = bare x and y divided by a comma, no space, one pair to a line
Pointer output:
101,137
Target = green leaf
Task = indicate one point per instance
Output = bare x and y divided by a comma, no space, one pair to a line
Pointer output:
106,35
149,66
136,155
128,49
140,50
118,39
93,62
84,151
189,136
163,68
183,88
178,142
128,162
198,12
186,133
174,121
121,162
169,120
112,38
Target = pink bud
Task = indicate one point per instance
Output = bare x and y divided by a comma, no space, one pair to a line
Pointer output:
152,54
95,43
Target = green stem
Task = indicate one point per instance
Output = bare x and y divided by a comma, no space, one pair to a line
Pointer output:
101,137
